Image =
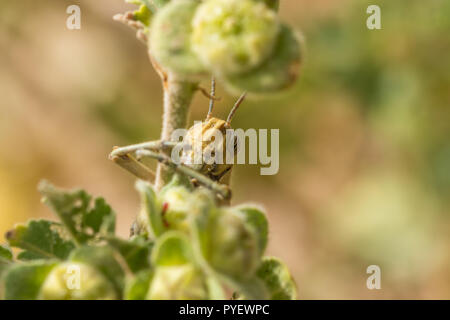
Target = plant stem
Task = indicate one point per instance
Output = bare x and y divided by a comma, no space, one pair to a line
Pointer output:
178,94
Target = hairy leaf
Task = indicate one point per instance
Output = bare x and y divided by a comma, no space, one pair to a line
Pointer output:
251,289
136,251
277,278
256,218
137,287
171,249
5,254
215,290
40,239
106,260
6,257
150,219
24,281
82,221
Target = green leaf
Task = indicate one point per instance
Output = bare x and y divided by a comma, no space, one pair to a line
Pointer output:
106,260
215,290
256,218
277,278
136,251
6,257
24,281
251,289
82,221
172,249
150,218
40,239
137,287
5,254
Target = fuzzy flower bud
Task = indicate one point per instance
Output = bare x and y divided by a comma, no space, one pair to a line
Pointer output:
76,281
234,36
180,206
175,206
170,37
234,246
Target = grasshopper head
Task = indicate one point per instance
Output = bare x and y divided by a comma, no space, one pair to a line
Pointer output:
210,136
208,149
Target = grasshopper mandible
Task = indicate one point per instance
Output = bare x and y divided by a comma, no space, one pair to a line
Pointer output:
209,174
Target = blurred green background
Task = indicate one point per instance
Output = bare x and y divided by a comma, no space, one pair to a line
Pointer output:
365,134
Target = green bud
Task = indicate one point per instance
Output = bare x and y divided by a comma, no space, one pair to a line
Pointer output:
181,205
278,72
170,37
181,282
234,248
234,36
175,206
76,281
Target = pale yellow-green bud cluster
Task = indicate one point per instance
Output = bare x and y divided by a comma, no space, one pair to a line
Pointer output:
76,281
232,37
231,244
241,42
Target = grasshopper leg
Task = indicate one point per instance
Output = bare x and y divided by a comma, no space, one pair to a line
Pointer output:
223,190
124,157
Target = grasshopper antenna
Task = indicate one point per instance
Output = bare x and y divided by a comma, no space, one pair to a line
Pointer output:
212,98
236,106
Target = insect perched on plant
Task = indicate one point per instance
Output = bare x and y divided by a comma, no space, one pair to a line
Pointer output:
208,172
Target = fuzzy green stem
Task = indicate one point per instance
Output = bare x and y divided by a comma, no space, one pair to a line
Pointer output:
178,94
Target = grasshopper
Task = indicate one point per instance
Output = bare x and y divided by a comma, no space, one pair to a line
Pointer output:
209,174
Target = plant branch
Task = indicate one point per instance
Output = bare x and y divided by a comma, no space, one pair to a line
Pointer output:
178,94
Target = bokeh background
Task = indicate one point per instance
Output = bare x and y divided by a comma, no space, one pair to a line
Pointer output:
365,134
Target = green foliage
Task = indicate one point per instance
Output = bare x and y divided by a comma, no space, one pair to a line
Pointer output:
23,281
40,239
5,258
277,279
82,221
137,287
255,217
135,251
216,247
5,254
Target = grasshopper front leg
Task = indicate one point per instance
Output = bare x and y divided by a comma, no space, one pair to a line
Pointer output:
124,157
221,189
